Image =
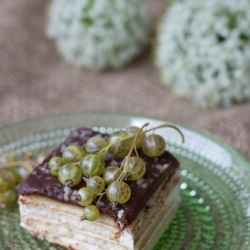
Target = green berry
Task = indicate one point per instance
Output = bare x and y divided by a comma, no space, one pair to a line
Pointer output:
70,175
96,184
118,191
3,200
85,196
96,144
41,157
6,158
135,167
23,171
122,145
55,164
4,185
153,145
133,131
73,153
91,212
10,195
92,165
111,174
9,176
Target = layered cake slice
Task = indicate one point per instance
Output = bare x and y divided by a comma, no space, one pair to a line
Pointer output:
49,209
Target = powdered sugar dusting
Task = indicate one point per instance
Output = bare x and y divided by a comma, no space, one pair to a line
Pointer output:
140,181
67,190
100,204
66,197
113,162
145,185
156,159
74,192
34,172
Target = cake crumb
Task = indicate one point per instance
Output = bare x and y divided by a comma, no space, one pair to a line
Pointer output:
120,224
66,197
159,167
120,213
118,221
156,175
67,192
42,168
165,166
151,180
147,209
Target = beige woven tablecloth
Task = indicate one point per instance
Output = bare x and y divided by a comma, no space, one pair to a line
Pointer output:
35,81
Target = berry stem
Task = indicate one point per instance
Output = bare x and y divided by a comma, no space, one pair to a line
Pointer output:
82,218
77,198
29,155
125,161
122,176
99,199
120,140
136,151
114,204
68,183
166,125
15,163
85,179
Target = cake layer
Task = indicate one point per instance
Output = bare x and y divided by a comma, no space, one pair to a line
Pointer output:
60,222
42,183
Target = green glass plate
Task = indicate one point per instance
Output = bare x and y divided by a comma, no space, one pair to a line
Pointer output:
215,208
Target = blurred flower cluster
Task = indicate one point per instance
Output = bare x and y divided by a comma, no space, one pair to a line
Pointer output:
98,34
203,51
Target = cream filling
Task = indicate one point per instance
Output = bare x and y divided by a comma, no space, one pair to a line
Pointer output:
159,220
59,223
69,235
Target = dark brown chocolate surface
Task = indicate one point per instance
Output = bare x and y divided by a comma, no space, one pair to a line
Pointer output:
41,182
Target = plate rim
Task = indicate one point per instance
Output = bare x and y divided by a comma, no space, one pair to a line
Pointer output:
238,157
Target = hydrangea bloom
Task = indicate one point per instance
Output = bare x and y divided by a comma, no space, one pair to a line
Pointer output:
98,34
203,51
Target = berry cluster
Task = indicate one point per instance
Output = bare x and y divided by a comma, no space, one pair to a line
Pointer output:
88,163
12,172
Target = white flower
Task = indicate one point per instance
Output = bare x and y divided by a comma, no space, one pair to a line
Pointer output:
203,51
98,34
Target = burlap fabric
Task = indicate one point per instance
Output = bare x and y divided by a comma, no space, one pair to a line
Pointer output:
35,81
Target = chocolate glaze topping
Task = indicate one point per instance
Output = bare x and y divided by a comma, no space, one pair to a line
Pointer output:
41,182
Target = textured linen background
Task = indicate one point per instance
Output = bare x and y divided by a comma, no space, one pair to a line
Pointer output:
35,81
